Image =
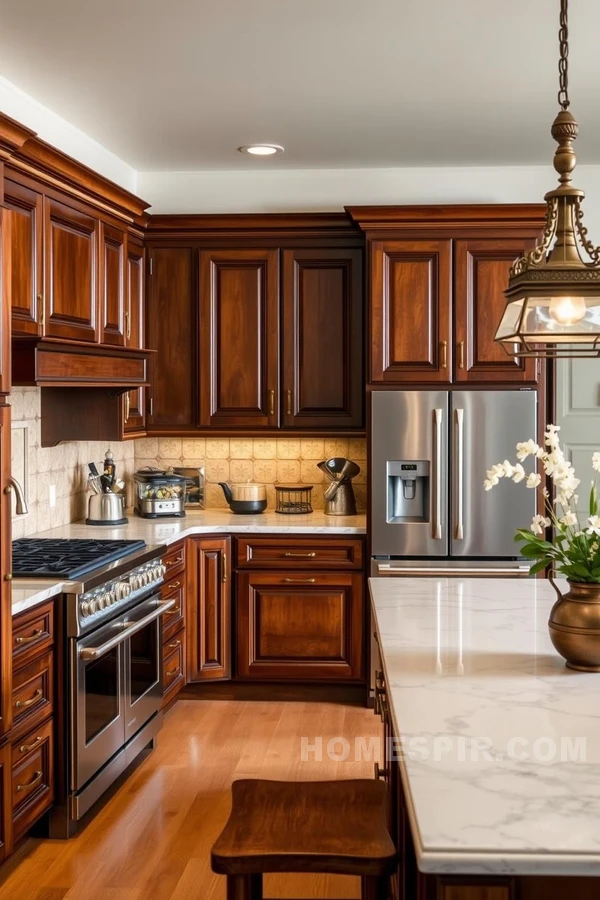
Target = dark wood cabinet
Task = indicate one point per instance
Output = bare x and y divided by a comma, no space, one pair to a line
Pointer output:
5,802
239,338
134,411
209,609
71,273
303,625
411,291
481,269
5,290
26,293
322,339
5,570
175,589
171,331
113,243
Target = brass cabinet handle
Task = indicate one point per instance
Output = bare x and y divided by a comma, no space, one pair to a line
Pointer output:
289,554
224,568
32,637
271,403
172,671
444,353
299,580
22,703
40,300
173,562
25,748
289,403
127,407
173,612
461,354
175,644
37,777
127,325
384,710
381,773
175,584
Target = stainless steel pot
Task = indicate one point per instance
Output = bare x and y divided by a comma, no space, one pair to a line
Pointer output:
246,497
106,509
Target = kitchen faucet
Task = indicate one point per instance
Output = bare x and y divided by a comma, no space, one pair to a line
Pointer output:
21,507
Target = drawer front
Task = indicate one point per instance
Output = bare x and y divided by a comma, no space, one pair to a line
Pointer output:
174,560
33,633
32,778
32,695
310,552
173,618
173,668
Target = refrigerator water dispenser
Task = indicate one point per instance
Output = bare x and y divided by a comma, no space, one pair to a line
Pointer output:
408,491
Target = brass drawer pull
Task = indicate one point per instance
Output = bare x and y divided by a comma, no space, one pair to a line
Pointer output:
299,580
175,644
461,354
175,584
173,612
24,703
271,403
173,562
224,576
37,777
172,671
381,773
288,554
289,403
25,748
32,637
444,353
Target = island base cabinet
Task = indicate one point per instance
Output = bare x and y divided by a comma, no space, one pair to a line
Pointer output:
300,626
209,609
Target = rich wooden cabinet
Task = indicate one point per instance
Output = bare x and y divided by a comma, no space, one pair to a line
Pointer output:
239,338
299,624
173,650
5,802
26,294
134,411
113,244
322,339
171,331
71,276
5,288
480,278
410,310
209,609
5,570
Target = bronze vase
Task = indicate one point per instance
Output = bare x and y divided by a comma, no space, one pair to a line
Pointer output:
574,625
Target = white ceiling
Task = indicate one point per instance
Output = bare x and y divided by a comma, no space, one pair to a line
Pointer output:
180,84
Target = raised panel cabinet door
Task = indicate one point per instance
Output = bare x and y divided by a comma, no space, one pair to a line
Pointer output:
410,303
134,412
71,273
26,296
299,625
239,338
113,242
208,620
5,289
5,574
480,279
171,331
5,803
322,330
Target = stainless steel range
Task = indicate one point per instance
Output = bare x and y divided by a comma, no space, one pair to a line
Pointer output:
110,640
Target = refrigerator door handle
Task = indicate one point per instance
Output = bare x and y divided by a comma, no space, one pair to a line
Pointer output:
389,570
437,476
459,416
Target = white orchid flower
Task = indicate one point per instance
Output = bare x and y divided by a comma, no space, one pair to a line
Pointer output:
596,461
518,473
527,448
539,524
594,525
533,480
569,519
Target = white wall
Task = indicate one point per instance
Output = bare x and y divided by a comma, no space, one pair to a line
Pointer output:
61,134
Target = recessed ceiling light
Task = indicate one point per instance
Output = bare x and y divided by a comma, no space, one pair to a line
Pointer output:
261,149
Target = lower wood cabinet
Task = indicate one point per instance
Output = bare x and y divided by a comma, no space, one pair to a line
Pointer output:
209,609
5,803
32,776
301,625
173,649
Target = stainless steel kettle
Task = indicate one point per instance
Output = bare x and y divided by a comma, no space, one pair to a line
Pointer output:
106,509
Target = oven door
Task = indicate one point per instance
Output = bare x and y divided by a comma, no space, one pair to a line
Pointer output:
97,698
143,662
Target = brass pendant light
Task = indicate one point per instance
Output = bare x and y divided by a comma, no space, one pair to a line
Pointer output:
553,295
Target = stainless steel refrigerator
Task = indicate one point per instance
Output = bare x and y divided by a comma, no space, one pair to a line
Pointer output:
430,451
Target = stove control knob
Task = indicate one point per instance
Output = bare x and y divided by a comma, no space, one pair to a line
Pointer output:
126,589
134,581
162,569
100,601
86,608
112,597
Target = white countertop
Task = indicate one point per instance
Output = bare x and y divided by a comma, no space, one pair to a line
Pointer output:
474,682
29,592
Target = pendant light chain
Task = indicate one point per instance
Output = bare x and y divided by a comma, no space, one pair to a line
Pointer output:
563,63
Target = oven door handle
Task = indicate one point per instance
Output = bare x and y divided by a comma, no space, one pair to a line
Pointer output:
131,628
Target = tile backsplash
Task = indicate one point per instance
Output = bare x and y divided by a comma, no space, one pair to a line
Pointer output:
64,466
266,460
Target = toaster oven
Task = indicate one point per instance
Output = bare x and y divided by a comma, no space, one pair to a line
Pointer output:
159,493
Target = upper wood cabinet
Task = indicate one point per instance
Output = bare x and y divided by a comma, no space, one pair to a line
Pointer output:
411,291
171,331
113,243
208,613
239,338
71,254
322,339
26,295
134,414
5,289
480,278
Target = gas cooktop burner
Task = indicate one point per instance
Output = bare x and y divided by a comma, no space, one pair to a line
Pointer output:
45,557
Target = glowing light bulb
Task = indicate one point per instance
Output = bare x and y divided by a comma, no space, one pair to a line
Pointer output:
567,310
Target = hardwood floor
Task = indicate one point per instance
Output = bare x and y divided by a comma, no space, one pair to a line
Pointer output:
152,840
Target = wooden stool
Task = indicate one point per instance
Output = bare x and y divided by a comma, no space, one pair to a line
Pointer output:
334,827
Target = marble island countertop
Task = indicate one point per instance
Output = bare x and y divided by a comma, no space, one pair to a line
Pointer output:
501,761
28,592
